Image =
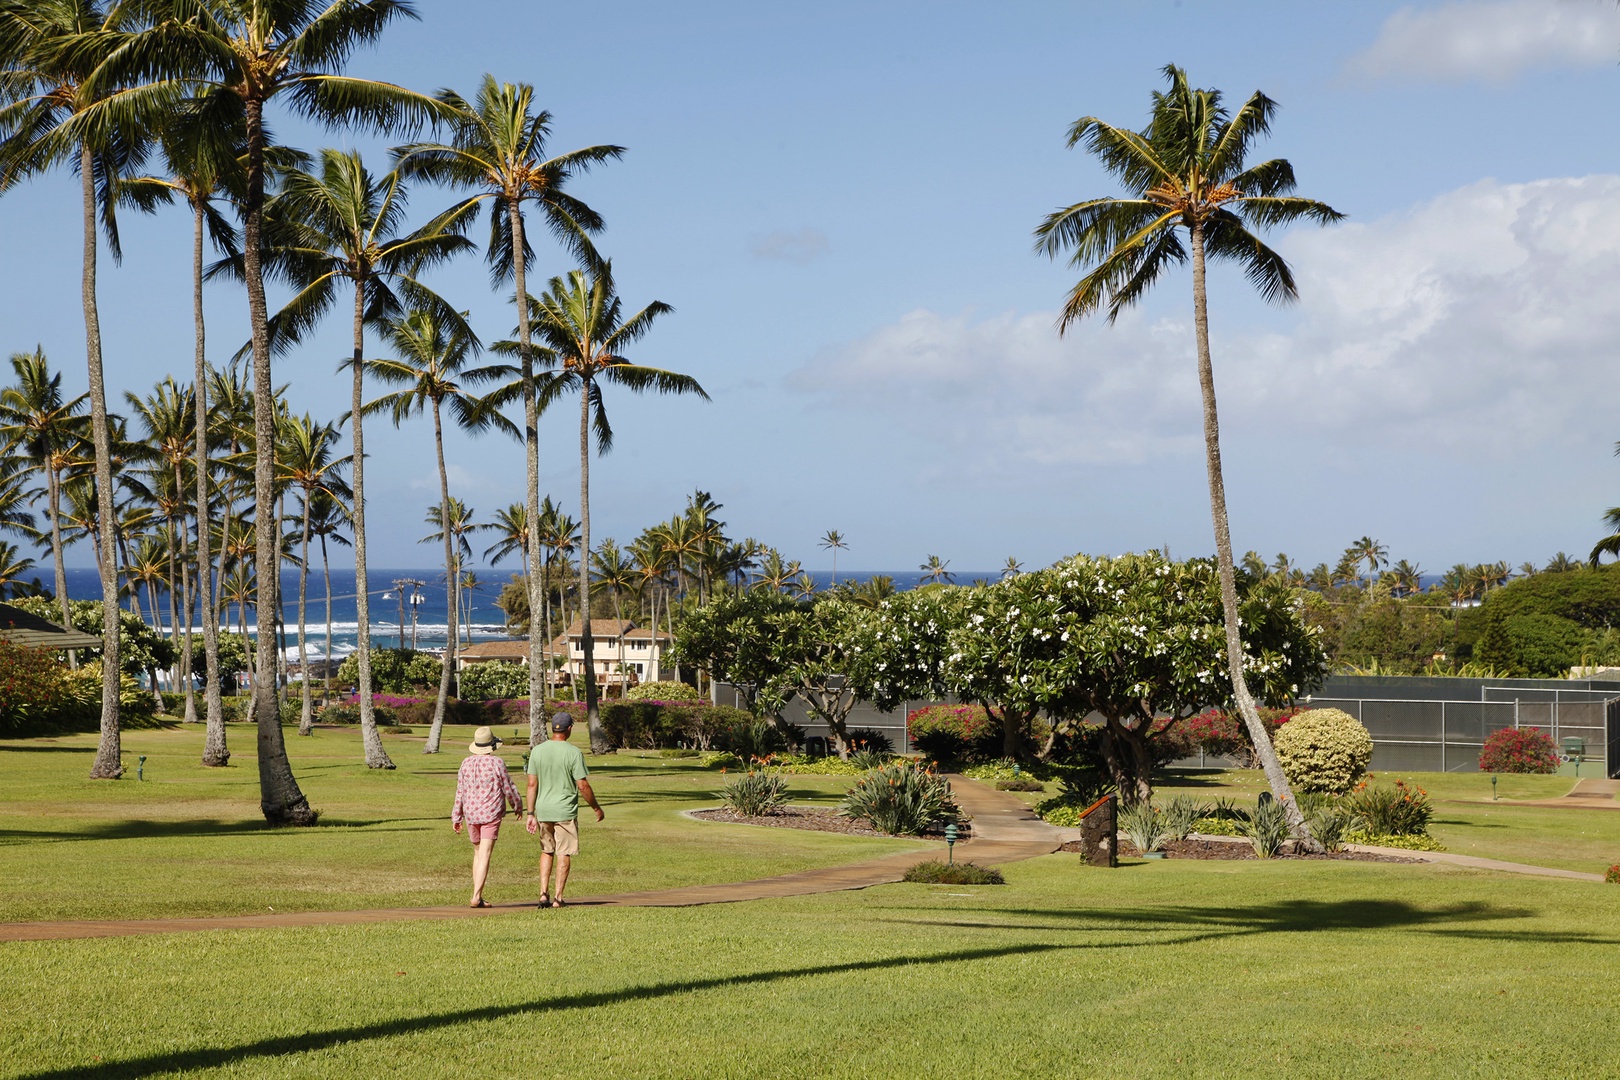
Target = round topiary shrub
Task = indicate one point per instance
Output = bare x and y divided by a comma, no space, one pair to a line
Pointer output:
1324,750
1519,750
665,691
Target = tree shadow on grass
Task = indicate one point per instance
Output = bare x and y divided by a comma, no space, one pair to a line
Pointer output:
7,748
140,829
216,1057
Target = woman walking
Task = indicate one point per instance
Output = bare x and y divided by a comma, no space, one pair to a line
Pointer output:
483,791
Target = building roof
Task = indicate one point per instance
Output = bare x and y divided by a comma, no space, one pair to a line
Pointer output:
495,650
17,625
600,628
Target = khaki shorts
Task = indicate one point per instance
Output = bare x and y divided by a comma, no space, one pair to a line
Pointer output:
559,837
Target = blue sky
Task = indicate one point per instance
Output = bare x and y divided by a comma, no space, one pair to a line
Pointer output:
838,201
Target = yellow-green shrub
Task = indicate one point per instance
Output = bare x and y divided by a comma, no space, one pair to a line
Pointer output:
1324,750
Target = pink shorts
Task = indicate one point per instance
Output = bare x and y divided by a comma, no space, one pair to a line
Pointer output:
491,829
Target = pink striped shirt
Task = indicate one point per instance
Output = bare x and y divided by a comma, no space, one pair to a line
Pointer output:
482,791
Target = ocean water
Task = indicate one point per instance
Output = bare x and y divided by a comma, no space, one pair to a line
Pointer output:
488,622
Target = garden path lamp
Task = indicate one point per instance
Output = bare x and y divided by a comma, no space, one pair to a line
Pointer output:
1493,787
950,844
140,768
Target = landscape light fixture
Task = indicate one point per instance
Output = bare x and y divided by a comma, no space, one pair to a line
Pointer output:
140,768
950,844
1493,787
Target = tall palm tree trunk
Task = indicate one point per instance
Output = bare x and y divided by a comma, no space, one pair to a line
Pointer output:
280,798
593,722
450,573
214,751
174,616
326,665
53,492
190,715
376,756
1223,555
106,765
306,711
539,652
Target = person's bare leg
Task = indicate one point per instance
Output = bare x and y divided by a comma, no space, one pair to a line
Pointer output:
481,854
563,862
545,875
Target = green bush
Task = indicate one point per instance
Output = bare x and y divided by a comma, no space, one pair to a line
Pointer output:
722,760
870,741
395,671
962,873
1390,811
804,765
1266,827
494,680
954,733
1419,842
344,713
1216,826
666,691
1141,826
1020,785
755,793
900,799
35,695
1077,789
1329,825
760,739
1323,750
679,752
1180,815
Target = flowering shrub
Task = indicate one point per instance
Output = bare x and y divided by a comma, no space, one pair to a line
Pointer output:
755,793
903,798
1220,733
1323,750
665,691
33,692
1613,876
955,733
1519,750
1390,811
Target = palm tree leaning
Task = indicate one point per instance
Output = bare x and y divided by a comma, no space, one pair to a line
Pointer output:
239,56
307,461
327,515
497,149
432,374
338,224
579,319
1187,170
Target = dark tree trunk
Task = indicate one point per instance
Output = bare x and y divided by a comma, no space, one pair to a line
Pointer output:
539,652
214,751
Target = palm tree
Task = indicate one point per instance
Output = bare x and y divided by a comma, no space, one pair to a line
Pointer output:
804,587
497,149
580,320
52,50
1406,578
431,374
47,429
511,529
833,540
1562,563
327,515
1187,170
13,565
341,226
307,461
1369,551
615,575
1012,568
774,573
238,56
934,570
558,534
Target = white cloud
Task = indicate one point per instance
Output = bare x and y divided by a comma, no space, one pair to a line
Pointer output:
1480,324
1493,39
805,245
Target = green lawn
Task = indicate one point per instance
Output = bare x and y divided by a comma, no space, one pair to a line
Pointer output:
1171,969
190,840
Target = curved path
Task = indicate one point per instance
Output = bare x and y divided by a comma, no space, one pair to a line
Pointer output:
1004,831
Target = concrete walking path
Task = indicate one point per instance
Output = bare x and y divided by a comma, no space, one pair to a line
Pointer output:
1004,831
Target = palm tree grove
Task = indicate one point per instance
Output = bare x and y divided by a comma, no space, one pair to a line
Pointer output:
442,375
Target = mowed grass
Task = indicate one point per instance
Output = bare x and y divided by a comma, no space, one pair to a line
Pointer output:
1172,969
191,841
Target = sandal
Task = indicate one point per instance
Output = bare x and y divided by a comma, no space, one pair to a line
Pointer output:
545,901
479,904
558,902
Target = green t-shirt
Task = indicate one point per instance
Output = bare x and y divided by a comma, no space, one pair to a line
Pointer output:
560,767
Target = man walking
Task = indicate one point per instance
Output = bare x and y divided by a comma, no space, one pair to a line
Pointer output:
557,778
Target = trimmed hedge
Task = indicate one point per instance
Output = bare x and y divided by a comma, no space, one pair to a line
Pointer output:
955,733
1324,750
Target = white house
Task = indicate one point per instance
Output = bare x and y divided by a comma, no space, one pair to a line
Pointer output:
623,652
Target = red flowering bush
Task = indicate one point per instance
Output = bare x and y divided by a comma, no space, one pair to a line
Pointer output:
1220,733
1519,750
1613,876
955,733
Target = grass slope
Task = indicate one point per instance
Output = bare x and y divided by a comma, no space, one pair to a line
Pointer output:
190,840
1169,969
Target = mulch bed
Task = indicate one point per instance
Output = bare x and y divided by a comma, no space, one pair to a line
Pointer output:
1216,849
813,818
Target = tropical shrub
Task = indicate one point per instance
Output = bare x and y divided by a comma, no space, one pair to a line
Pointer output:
665,691
806,765
870,740
1219,733
1401,810
1020,785
1519,750
954,733
1612,876
1419,842
494,679
902,798
759,739
962,873
652,725
395,671
136,708
755,793
34,695
680,752
1180,815
1077,789
1142,826
1266,827
1328,826
1323,750
140,648
345,712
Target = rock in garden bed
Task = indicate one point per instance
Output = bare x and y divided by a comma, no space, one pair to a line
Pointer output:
1219,849
813,818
